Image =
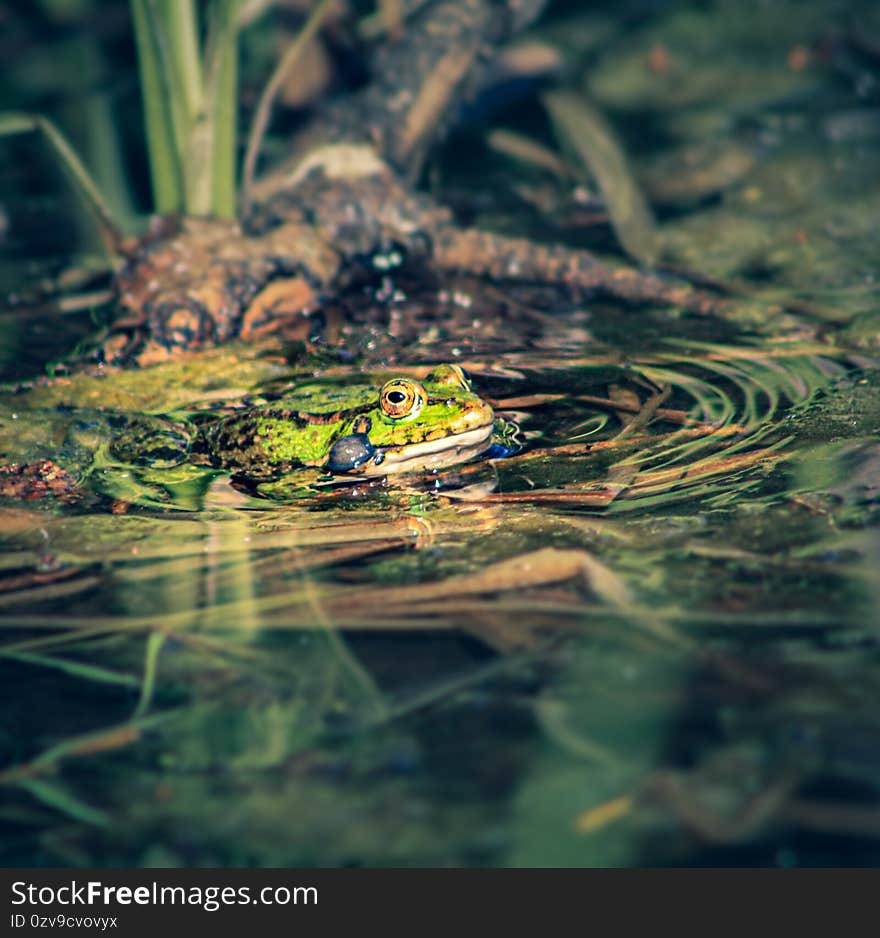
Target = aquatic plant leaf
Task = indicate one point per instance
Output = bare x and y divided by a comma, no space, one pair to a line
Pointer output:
583,130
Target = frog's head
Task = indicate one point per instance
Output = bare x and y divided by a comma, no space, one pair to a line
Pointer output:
416,425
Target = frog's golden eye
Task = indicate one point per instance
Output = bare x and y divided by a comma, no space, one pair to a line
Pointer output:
401,398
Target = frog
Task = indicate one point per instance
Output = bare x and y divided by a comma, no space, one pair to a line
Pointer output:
402,425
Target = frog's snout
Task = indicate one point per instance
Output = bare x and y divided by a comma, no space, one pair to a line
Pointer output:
350,452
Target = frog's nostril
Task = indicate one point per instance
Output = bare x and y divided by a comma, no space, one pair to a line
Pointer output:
349,452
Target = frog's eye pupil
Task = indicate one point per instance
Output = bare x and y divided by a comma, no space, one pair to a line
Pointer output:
396,397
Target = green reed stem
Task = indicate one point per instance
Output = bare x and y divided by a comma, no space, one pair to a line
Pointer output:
221,79
165,173
190,103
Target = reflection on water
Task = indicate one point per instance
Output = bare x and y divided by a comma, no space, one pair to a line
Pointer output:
655,615
648,638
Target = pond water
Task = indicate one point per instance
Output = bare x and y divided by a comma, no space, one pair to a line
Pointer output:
650,637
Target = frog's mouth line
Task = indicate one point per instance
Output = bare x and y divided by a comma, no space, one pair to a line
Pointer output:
433,454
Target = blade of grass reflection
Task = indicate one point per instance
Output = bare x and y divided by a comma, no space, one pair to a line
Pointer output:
53,641
590,426
228,600
552,716
187,539
104,740
712,406
210,648
727,461
701,619
711,351
680,480
88,672
343,656
751,387
155,643
49,592
187,566
405,703
662,413
271,567
684,446
536,568
56,796
645,414
231,537
678,450
762,384
533,616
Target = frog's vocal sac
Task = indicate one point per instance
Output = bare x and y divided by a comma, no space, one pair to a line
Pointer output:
405,425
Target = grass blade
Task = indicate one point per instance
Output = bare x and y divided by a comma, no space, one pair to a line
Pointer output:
165,169
55,796
151,667
15,123
180,27
221,106
89,672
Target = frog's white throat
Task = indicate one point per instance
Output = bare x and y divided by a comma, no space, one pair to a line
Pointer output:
432,454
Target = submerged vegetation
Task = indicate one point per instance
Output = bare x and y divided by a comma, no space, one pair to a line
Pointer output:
646,634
